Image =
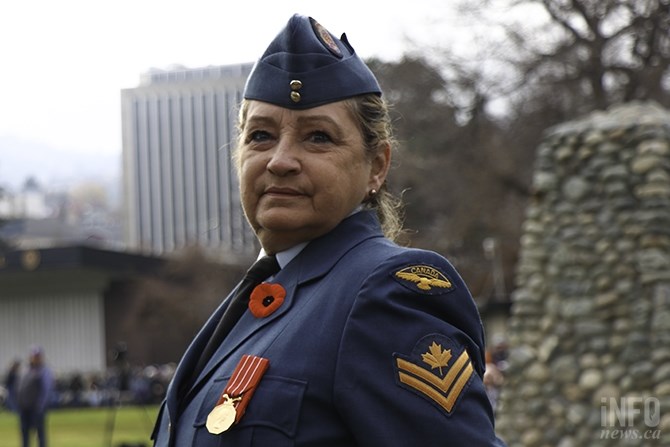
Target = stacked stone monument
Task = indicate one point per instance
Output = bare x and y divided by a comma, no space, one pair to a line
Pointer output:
590,325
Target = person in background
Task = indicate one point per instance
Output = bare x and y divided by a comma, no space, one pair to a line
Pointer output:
337,336
11,381
33,394
493,380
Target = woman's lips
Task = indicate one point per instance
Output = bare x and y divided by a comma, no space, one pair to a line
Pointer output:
282,192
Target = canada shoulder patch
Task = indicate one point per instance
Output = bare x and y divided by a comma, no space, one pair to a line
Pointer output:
438,370
425,279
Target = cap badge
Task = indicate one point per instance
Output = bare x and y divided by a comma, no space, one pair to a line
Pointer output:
325,38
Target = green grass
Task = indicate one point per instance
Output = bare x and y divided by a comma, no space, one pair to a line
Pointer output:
88,427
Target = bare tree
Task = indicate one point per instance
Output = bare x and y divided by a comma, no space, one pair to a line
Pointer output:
591,53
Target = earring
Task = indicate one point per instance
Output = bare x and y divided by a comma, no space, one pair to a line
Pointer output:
373,192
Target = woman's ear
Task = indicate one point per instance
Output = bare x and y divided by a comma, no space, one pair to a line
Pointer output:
379,167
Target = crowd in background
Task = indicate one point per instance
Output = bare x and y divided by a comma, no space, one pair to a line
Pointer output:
132,386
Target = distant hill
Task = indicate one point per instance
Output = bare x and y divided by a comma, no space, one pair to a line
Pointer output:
54,168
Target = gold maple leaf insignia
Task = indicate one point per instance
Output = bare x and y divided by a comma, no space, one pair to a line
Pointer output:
437,357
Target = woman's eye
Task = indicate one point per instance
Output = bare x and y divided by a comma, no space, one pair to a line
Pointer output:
258,136
320,137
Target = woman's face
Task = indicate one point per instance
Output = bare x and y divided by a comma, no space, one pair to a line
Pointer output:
303,171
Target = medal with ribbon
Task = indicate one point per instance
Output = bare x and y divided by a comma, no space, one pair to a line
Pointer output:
233,402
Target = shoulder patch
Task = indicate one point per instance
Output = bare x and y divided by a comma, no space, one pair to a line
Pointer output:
424,279
438,370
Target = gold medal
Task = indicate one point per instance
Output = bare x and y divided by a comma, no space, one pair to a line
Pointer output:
222,416
228,410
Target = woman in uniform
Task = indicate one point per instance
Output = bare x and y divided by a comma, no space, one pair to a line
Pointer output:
338,336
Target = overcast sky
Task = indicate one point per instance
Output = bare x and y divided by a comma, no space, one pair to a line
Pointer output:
64,62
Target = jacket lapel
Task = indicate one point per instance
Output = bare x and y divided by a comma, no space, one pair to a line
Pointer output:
191,356
316,259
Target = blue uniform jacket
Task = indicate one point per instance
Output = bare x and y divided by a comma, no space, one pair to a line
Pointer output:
375,345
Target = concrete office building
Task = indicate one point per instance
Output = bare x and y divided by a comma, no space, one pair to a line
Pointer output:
180,185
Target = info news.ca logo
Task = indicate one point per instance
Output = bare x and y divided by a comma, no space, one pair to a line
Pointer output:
630,418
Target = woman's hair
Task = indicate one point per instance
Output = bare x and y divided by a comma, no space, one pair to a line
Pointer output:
372,114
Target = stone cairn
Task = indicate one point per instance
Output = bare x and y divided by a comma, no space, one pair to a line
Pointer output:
589,333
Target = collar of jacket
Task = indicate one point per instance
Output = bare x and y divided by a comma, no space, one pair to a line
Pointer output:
322,253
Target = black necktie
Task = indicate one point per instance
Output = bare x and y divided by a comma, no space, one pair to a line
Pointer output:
262,269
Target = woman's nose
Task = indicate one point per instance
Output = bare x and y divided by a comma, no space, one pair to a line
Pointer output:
284,159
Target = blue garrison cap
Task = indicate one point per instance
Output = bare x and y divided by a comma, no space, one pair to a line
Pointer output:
306,66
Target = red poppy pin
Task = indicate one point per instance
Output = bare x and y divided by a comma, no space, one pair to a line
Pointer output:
265,299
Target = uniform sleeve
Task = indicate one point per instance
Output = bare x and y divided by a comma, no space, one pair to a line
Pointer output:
411,361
